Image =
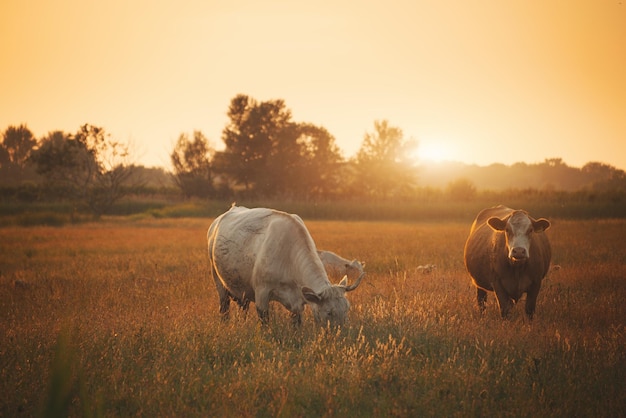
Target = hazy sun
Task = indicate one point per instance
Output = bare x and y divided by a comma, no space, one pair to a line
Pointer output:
429,151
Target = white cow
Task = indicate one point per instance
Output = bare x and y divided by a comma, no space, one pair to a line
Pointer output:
262,255
338,267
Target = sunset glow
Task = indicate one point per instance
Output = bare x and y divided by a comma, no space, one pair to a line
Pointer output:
547,79
434,152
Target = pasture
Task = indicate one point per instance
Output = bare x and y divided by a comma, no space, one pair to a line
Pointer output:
120,318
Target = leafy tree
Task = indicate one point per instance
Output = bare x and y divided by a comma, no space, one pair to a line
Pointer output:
258,139
596,171
56,160
255,135
269,154
88,168
5,157
604,177
382,163
319,173
192,165
17,144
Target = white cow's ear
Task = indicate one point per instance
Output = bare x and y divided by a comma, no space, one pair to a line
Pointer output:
310,295
344,281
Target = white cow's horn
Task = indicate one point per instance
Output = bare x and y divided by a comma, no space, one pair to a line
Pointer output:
355,284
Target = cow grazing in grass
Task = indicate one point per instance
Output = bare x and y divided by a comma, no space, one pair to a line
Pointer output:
507,252
261,255
337,267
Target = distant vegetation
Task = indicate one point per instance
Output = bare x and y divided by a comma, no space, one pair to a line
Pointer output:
556,205
269,157
551,175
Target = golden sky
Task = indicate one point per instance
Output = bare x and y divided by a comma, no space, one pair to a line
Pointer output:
474,81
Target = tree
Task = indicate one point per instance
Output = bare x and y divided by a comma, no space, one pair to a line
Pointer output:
192,165
604,177
268,154
57,160
18,142
88,168
382,163
255,134
321,161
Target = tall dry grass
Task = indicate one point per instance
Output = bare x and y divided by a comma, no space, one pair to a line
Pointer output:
121,318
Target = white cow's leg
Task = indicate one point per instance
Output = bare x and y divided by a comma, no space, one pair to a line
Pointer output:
296,318
296,315
262,303
223,295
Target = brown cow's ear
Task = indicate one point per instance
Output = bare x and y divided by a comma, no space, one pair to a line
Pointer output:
541,225
310,295
497,223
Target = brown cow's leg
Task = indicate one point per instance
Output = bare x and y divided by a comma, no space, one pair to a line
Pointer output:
481,296
505,307
504,301
531,299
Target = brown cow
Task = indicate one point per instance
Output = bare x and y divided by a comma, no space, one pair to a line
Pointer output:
507,253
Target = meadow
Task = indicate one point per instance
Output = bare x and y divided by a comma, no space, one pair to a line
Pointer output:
120,318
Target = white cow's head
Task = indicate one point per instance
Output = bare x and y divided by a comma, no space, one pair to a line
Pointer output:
518,227
354,269
330,306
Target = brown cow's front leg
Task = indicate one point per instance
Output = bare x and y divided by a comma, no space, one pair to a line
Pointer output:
504,300
481,297
531,299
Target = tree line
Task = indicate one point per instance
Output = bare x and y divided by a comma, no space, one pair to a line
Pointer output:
551,174
266,154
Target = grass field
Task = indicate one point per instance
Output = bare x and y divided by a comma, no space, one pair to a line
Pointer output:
120,318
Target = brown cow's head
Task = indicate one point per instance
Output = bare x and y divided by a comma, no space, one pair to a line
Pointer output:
518,227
